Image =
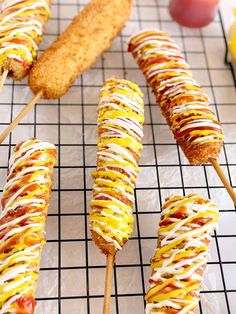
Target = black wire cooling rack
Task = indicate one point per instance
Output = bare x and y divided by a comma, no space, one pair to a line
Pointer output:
73,271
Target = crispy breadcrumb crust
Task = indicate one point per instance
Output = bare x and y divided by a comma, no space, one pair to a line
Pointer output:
17,69
76,49
201,153
106,248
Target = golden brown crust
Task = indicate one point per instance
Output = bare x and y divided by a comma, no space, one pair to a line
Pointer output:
15,69
28,189
20,69
201,153
181,256
184,104
76,49
107,248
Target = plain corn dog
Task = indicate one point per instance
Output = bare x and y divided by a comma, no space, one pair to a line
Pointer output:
76,49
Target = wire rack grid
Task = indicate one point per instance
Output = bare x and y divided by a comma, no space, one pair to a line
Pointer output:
73,270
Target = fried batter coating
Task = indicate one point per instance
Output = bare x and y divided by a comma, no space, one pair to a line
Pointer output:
77,48
183,102
120,133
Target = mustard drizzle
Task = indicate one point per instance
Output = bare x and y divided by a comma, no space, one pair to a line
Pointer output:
120,131
21,29
171,80
186,225
25,201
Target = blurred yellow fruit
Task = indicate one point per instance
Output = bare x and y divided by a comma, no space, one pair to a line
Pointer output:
232,30
232,38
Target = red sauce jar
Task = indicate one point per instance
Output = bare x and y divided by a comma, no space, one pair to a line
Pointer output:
193,13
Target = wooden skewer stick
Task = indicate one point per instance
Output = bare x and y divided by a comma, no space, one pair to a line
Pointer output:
20,116
108,284
3,79
223,179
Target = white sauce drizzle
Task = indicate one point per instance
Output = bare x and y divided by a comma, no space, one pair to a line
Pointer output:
118,127
170,83
192,239
16,25
20,262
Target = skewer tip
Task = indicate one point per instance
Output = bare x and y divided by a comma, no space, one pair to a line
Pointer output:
223,179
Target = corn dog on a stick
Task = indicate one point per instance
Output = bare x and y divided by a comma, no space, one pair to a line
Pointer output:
76,49
22,23
120,132
184,236
183,102
25,202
